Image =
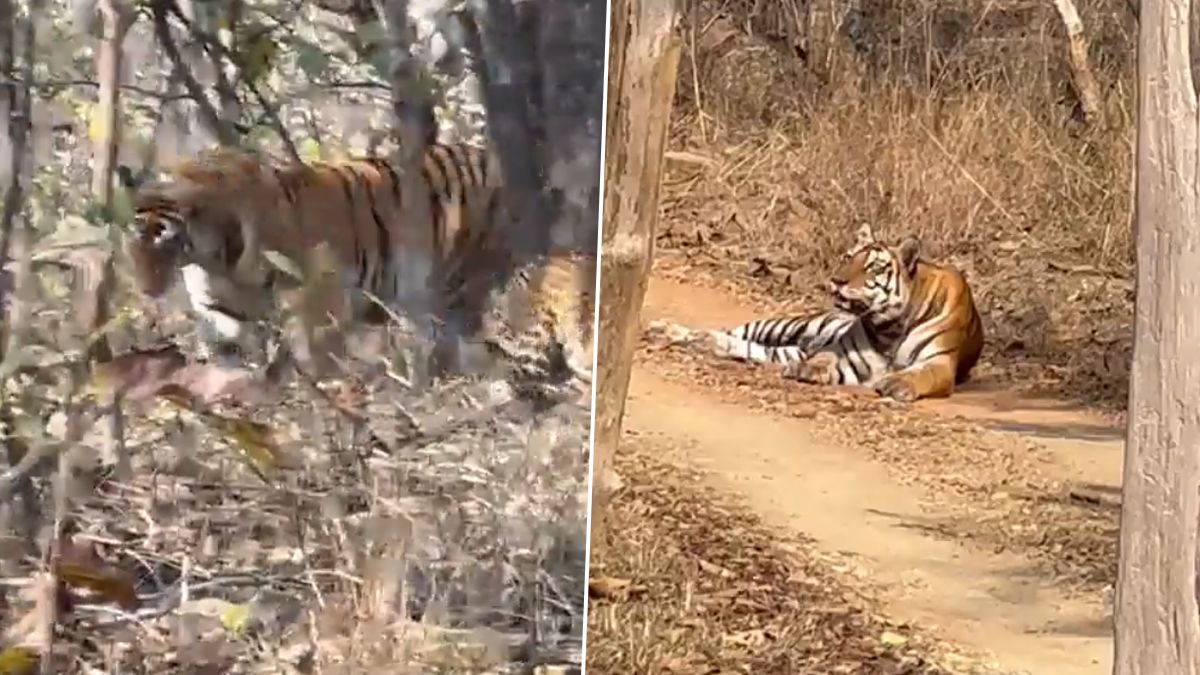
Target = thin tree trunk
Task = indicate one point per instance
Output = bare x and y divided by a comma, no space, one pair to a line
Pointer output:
96,283
117,18
415,127
15,104
1081,69
572,112
506,47
1157,615
644,59
15,127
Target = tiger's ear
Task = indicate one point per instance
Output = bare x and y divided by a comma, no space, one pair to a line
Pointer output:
910,252
863,237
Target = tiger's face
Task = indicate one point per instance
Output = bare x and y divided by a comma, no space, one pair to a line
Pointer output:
158,243
874,279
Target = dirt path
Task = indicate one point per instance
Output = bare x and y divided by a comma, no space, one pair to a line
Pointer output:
994,602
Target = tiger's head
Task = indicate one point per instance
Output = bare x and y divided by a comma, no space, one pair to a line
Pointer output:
158,240
163,237
873,279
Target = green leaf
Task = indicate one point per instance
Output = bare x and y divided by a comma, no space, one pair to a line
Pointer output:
122,211
234,617
373,34
310,58
258,55
381,63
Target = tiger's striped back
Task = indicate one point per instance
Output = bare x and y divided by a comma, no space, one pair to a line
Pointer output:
226,207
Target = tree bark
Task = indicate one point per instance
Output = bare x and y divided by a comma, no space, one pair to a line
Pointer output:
1081,69
412,111
117,19
1157,616
644,59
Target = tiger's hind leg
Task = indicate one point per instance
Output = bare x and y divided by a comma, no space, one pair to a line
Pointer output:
851,359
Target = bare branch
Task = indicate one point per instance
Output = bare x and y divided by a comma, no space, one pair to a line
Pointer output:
216,50
62,84
1085,80
225,131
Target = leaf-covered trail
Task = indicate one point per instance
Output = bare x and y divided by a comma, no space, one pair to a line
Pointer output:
997,603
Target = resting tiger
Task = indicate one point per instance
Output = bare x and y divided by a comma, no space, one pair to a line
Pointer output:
225,207
905,327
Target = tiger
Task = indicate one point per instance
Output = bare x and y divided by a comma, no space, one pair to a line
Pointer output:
223,209
901,325
549,323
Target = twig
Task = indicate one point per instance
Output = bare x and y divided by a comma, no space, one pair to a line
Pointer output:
967,174
216,50
62,506
272,115
226,133
301,543
92,84
696,72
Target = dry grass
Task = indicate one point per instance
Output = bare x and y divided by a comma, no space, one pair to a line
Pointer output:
415,527
688,581
955,124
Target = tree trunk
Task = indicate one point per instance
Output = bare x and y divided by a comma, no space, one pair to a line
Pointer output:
1081,69
642,72
94,286
117,18
1157,616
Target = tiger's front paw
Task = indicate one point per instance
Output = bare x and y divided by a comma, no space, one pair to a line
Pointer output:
896,388
820,368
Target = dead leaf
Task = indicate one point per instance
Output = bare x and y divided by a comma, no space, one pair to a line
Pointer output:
747,638
178,397
714,569
138,374
142,374
18,661
209,383
106,581
254,439
609,587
